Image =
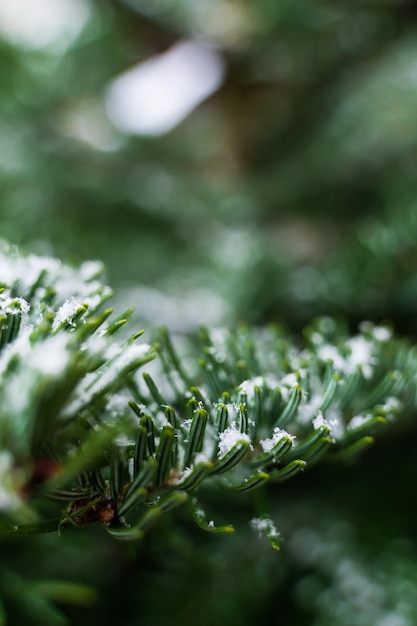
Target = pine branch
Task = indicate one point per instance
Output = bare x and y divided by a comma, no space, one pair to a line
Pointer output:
82,426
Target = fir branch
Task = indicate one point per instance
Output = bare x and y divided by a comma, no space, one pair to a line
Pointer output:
80,423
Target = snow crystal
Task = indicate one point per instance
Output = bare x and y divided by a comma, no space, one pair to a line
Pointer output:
264,525
229,437
333,422
25,270
182,475
8,305
319,421
232,410
65,313
278,434
248,386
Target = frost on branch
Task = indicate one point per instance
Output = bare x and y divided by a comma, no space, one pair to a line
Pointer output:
81,425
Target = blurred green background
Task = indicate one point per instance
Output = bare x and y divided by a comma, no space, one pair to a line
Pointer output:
288,193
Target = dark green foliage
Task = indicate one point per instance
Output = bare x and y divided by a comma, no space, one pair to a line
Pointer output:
288,195
95,433
111,446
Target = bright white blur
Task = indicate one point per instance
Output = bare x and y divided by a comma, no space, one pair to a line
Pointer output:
43,23
156,95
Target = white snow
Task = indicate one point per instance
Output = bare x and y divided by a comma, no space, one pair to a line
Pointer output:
8,305
333,421
278,434
248,386
69,283
361,354
264,525
319,421
229,437
65,313
182,475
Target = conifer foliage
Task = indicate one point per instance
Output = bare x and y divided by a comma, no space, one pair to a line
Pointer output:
99,428
86,425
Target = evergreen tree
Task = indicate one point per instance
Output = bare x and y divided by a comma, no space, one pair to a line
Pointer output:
284,201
